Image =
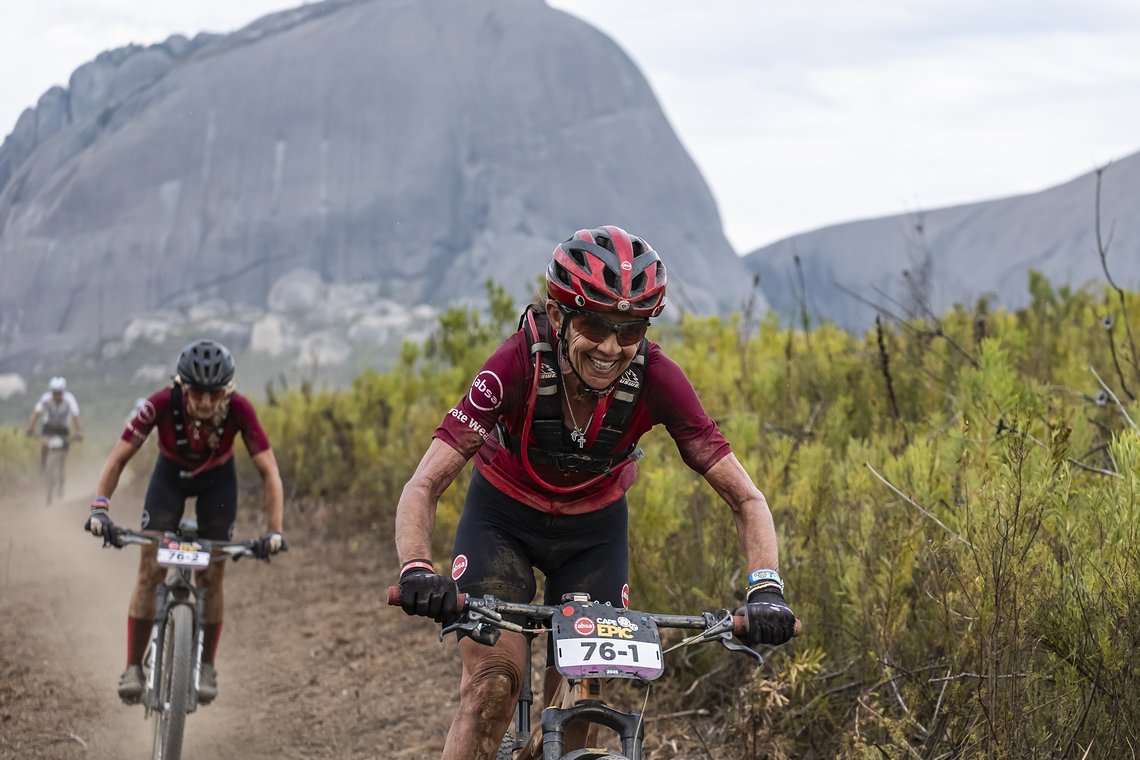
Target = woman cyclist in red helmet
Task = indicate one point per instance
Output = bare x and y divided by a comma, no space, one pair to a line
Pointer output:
553,419
198,420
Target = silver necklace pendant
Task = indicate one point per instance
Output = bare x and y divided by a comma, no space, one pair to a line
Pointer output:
578,437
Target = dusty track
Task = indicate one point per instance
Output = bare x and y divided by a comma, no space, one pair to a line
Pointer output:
311,664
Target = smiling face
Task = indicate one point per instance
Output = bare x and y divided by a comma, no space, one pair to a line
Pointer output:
599,364
202,404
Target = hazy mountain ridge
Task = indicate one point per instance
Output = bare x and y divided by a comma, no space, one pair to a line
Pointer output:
975,249
422,147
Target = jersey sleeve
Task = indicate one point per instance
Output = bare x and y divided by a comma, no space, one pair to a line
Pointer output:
499,389
252,434
674,403
145,417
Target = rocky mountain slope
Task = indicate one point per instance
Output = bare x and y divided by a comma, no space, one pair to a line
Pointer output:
412,149
962,252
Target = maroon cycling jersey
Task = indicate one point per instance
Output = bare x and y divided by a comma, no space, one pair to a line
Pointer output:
501,391
209,446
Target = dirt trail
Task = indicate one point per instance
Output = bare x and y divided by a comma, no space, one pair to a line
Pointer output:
311,664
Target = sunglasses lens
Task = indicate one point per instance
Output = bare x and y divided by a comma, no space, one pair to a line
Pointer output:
596,330
592,328
631,333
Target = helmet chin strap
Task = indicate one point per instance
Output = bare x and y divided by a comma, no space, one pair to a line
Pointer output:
564,340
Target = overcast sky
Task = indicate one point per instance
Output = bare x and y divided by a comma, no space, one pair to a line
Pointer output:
799,115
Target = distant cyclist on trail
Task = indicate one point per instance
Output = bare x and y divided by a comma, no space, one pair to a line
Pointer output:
59,411
553,420
197,418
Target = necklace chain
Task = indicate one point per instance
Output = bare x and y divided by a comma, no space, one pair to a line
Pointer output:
577,435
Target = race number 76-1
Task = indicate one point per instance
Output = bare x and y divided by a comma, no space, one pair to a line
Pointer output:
608,652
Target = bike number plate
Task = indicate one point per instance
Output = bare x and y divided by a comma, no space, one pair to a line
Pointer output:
593,640
56,442
175,553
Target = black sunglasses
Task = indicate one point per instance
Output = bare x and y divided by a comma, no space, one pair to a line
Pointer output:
597,329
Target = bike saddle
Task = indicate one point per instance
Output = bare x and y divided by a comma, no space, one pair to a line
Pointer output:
188,528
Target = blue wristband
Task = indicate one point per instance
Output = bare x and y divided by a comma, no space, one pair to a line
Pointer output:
759,576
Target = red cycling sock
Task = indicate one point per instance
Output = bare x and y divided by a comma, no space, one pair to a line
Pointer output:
138,637
211,633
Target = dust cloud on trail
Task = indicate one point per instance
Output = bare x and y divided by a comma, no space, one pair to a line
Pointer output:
312,664
63,608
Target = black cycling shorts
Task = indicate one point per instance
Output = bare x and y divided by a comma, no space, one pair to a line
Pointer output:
63,431
500,541
215,491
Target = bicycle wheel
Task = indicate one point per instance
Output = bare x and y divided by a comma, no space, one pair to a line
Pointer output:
53,475
593,754
506,747
176,673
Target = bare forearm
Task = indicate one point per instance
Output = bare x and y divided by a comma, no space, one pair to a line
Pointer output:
415,520
757,534
113,469
415,514
274,492
274,505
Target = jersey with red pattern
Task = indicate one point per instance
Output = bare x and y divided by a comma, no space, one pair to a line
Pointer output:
209,446
500,392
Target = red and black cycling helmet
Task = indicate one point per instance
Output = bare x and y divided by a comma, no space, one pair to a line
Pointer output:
206,364
608,270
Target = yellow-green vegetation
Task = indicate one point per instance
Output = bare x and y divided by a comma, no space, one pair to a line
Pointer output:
956,501
19,455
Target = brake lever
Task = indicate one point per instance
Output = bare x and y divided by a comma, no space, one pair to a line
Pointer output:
480,631
727,642
721,630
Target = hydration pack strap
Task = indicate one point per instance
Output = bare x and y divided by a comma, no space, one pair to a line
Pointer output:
548,428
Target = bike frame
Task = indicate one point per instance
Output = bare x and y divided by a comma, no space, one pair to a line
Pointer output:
481,619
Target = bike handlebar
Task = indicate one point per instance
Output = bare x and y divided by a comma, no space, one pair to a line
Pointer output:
119,536
547,611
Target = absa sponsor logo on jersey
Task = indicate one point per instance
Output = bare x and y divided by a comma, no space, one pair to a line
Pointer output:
486,391
459,566
145,412
625,596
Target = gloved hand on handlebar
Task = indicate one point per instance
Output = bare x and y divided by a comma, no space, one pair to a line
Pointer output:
769,619
424,592
99,518
269,544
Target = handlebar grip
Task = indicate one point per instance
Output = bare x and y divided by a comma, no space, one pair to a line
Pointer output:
395,598
740,626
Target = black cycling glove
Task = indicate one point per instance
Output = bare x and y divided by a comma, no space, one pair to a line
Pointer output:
424,592
269,544
98,521
769,619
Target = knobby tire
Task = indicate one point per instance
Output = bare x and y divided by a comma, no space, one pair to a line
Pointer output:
177,673
53,474
506,747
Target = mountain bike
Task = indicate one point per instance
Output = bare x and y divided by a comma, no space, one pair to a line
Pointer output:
592,641
172,664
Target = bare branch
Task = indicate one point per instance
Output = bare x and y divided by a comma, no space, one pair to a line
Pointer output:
916,505
1112,395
